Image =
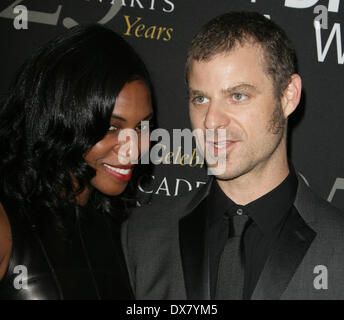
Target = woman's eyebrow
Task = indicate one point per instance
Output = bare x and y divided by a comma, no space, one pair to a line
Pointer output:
114,116
148,116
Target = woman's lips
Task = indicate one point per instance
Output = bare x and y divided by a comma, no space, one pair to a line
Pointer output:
120,172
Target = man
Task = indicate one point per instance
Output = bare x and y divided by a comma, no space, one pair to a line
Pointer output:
255,231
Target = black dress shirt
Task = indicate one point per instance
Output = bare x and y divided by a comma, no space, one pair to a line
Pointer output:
267,215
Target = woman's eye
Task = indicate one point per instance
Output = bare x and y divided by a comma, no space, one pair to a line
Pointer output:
239,96
144,126
200,100
113,128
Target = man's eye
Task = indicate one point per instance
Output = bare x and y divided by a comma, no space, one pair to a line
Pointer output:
200,100
239,96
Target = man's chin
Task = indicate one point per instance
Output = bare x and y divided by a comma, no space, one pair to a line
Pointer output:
219,171
224,177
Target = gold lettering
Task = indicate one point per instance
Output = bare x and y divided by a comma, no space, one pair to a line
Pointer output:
178,154
161,30
138,29
168,157
159,160
193,158
193,163
129,25
182,161
150,32
168,32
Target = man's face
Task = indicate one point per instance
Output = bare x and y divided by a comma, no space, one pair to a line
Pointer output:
232,91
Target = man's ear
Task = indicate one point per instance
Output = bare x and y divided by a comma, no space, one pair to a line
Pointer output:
292,94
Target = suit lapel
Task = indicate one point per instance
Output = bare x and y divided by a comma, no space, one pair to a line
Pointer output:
287,253
291,246
192,240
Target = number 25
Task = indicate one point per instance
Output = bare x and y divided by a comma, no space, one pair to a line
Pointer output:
52,18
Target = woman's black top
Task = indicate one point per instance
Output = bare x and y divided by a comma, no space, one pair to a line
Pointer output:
84,261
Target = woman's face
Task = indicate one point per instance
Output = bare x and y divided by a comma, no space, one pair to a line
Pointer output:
107,156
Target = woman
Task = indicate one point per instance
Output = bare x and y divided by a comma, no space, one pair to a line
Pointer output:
63,186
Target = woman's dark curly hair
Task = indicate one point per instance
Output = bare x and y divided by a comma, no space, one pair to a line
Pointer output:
58,107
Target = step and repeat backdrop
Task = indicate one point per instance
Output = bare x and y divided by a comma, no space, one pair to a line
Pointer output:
160,30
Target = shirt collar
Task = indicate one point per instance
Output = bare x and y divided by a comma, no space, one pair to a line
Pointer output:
218,203
267,211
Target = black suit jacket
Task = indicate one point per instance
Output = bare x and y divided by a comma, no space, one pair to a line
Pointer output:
165,245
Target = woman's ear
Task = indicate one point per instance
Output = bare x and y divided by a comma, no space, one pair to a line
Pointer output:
292,94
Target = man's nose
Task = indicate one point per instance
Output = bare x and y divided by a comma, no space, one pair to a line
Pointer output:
215,117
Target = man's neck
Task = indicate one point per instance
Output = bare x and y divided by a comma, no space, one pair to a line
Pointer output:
256,183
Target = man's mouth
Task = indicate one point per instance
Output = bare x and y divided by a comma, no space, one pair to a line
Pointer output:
220,144
218,148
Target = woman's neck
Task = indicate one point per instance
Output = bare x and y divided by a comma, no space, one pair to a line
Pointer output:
84,195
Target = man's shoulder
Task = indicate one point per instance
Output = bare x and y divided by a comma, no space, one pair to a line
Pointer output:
168,209
318,212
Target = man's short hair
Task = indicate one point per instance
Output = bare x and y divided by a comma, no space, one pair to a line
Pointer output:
223,33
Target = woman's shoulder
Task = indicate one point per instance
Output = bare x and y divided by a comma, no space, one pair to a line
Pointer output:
5,241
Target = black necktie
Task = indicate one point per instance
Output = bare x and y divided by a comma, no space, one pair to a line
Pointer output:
230,282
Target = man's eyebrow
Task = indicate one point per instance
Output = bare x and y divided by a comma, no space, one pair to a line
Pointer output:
239,87
193,93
